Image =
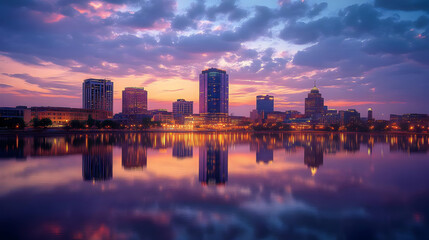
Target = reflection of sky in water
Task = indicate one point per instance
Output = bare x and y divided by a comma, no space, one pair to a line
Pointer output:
189,186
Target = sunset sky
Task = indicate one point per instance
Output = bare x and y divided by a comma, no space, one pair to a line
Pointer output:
362,53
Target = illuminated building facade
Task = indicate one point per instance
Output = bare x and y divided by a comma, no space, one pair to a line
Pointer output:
314,104
162,115
349,116
18,112
134,100
97,94
331,117
213,165
214,91
183,107
60,116
293,114
275,116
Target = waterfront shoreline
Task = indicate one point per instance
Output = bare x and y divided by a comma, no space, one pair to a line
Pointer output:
52,132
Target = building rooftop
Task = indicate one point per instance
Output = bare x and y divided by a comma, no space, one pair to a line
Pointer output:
213,70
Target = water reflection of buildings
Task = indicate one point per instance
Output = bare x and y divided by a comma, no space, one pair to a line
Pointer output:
134,156
313,155
97,163
213,165
265,155
182,150
264,146
409,144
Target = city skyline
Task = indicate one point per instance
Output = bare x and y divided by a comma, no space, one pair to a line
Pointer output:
363,54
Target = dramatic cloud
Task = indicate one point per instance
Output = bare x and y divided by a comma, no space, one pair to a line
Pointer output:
150,12
409,5
253,27
227,7
53,85
202,43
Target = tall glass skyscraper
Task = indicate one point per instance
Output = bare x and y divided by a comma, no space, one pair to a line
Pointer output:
134,100
214,91
314,104
264,104
97,94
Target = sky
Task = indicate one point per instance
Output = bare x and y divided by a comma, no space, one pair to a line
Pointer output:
360,53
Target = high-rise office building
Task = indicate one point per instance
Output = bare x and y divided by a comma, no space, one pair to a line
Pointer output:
370,118
264,104
97,94
214,91
183,107
134,100
314,104
349,116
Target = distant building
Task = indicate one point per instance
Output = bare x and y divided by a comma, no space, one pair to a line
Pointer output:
134,100
411,118
214,91
264,105
183,107
17,112
395,118
331,117
162,115
97,94
276,116
238,120
314,104
349,116
416,118
254,115
194,120
370,118
292,114
213,165
60,116
131,118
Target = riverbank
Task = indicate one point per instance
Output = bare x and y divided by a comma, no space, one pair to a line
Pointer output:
60,131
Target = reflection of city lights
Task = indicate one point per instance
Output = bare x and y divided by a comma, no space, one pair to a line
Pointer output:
313,171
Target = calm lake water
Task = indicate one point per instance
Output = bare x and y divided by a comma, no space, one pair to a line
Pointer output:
214,186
